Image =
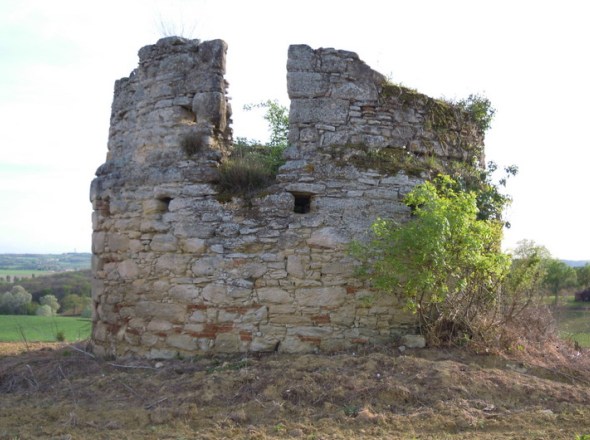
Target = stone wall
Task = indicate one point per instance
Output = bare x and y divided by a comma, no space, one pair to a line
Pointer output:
178,272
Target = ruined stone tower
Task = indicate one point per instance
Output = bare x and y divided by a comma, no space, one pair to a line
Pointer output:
176,271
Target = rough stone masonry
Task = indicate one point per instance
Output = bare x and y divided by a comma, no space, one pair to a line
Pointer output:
177,272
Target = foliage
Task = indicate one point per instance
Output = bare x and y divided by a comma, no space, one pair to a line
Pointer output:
51,301
74,304
491,201
523,285
446,262
58,284
44,310
277,118
559,276
479,109
244,177
583,276
87,310
15,302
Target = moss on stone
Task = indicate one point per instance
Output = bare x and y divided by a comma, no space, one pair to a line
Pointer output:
388,161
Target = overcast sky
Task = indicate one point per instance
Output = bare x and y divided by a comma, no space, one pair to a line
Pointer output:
59,60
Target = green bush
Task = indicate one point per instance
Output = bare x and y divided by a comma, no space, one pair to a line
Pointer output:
44,310
479,109
445,262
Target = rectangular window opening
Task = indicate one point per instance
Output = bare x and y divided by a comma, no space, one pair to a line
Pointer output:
302,203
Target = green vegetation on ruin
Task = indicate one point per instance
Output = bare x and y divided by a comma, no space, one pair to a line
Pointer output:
253,165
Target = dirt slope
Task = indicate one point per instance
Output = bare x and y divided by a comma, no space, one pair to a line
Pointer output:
59,392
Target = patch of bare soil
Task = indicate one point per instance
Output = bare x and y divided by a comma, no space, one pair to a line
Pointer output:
64,393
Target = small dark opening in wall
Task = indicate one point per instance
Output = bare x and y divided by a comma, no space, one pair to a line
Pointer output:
302,203
165,203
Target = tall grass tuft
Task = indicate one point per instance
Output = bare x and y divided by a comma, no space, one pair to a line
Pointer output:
248,170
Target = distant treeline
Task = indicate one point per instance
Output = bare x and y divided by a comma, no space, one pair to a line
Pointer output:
59,284
45,262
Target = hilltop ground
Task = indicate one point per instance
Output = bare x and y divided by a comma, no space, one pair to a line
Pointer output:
59,392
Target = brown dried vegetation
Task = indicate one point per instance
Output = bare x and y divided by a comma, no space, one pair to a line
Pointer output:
61,392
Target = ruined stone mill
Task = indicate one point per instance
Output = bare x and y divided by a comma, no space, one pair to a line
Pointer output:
178,271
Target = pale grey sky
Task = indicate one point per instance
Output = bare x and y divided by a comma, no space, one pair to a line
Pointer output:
59,60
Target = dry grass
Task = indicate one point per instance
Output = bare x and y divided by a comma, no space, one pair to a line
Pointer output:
426,394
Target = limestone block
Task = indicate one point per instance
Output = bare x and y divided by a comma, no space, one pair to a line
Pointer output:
128,269
215,293
359,90
161,286
343,316
295,266
148,339
153,226
187,293
97,289
210,107
321,296
165,311
117,242
335,61
228,316
308,188
307,84
253,270
264,344
290,319
184,342
227,343
341,137
98,242
196,328
195,246
306,135
294,344
338,268
311,331
158,325
164,243
329,238
283,309
300,57
206,266
330,111
174,263
198,316
99,331
256,316
238,293
192,228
